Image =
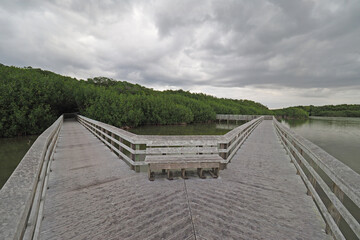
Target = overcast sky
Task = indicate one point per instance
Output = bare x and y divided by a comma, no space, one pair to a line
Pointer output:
280,53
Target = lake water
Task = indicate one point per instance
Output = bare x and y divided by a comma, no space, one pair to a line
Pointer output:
190,129
339,136
12,150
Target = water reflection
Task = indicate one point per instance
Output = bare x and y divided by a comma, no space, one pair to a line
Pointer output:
339,137
226,126
12,151
293,123
190,129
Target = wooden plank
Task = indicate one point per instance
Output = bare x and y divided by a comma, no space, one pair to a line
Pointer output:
183,165
181,150
183,158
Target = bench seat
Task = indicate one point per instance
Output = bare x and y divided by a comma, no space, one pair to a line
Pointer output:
183,162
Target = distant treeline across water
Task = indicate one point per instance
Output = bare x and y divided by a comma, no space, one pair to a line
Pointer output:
31,99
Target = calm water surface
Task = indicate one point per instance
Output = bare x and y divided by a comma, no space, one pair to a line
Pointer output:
338,136
12,150
190,129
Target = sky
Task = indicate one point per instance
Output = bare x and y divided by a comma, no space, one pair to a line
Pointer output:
277,52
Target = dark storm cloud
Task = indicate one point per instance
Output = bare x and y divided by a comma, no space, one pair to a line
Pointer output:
191,44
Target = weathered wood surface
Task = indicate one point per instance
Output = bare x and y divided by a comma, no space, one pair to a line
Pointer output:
183,158
183,163
181,150
94,195
231,117
21,196
328,192
228,143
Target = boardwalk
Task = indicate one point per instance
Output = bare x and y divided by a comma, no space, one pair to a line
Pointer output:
94,195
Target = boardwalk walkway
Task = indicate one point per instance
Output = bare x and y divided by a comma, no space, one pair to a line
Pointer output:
94,195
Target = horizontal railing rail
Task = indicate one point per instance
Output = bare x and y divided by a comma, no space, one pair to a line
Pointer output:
232,117
231,141
23,195
133,148
125,144
334,187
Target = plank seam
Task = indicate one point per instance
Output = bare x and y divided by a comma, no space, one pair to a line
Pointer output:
191,218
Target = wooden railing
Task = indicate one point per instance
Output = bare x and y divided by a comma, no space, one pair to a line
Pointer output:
334,187
231,141
236,118
23,195
128,146
133,148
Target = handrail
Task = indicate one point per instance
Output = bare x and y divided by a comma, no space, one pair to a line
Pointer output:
318,170
232,117
23,195
132,148
232,140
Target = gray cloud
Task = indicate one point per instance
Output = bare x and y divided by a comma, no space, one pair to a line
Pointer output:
239,46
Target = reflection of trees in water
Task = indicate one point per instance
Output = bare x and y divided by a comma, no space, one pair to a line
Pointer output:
188,129
335,121
296,122
226,126
12,150
339,136
316,121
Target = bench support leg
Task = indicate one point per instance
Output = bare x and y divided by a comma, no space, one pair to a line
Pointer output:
151,174
183,174
214,172
201,173
169,175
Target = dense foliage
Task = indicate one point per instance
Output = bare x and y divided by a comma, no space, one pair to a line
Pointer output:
31,99
291,112
343,110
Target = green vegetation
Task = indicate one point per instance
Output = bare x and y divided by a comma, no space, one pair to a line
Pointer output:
298,112
343,110
291,112
31,99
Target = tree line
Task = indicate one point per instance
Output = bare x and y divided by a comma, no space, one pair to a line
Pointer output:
343,110
32,99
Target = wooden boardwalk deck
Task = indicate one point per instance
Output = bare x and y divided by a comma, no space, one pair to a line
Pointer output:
94,195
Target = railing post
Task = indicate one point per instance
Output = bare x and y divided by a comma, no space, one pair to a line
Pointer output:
120,147
223,146
107,133
135,156
313,182
112,142
332,209
101,132
338,192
